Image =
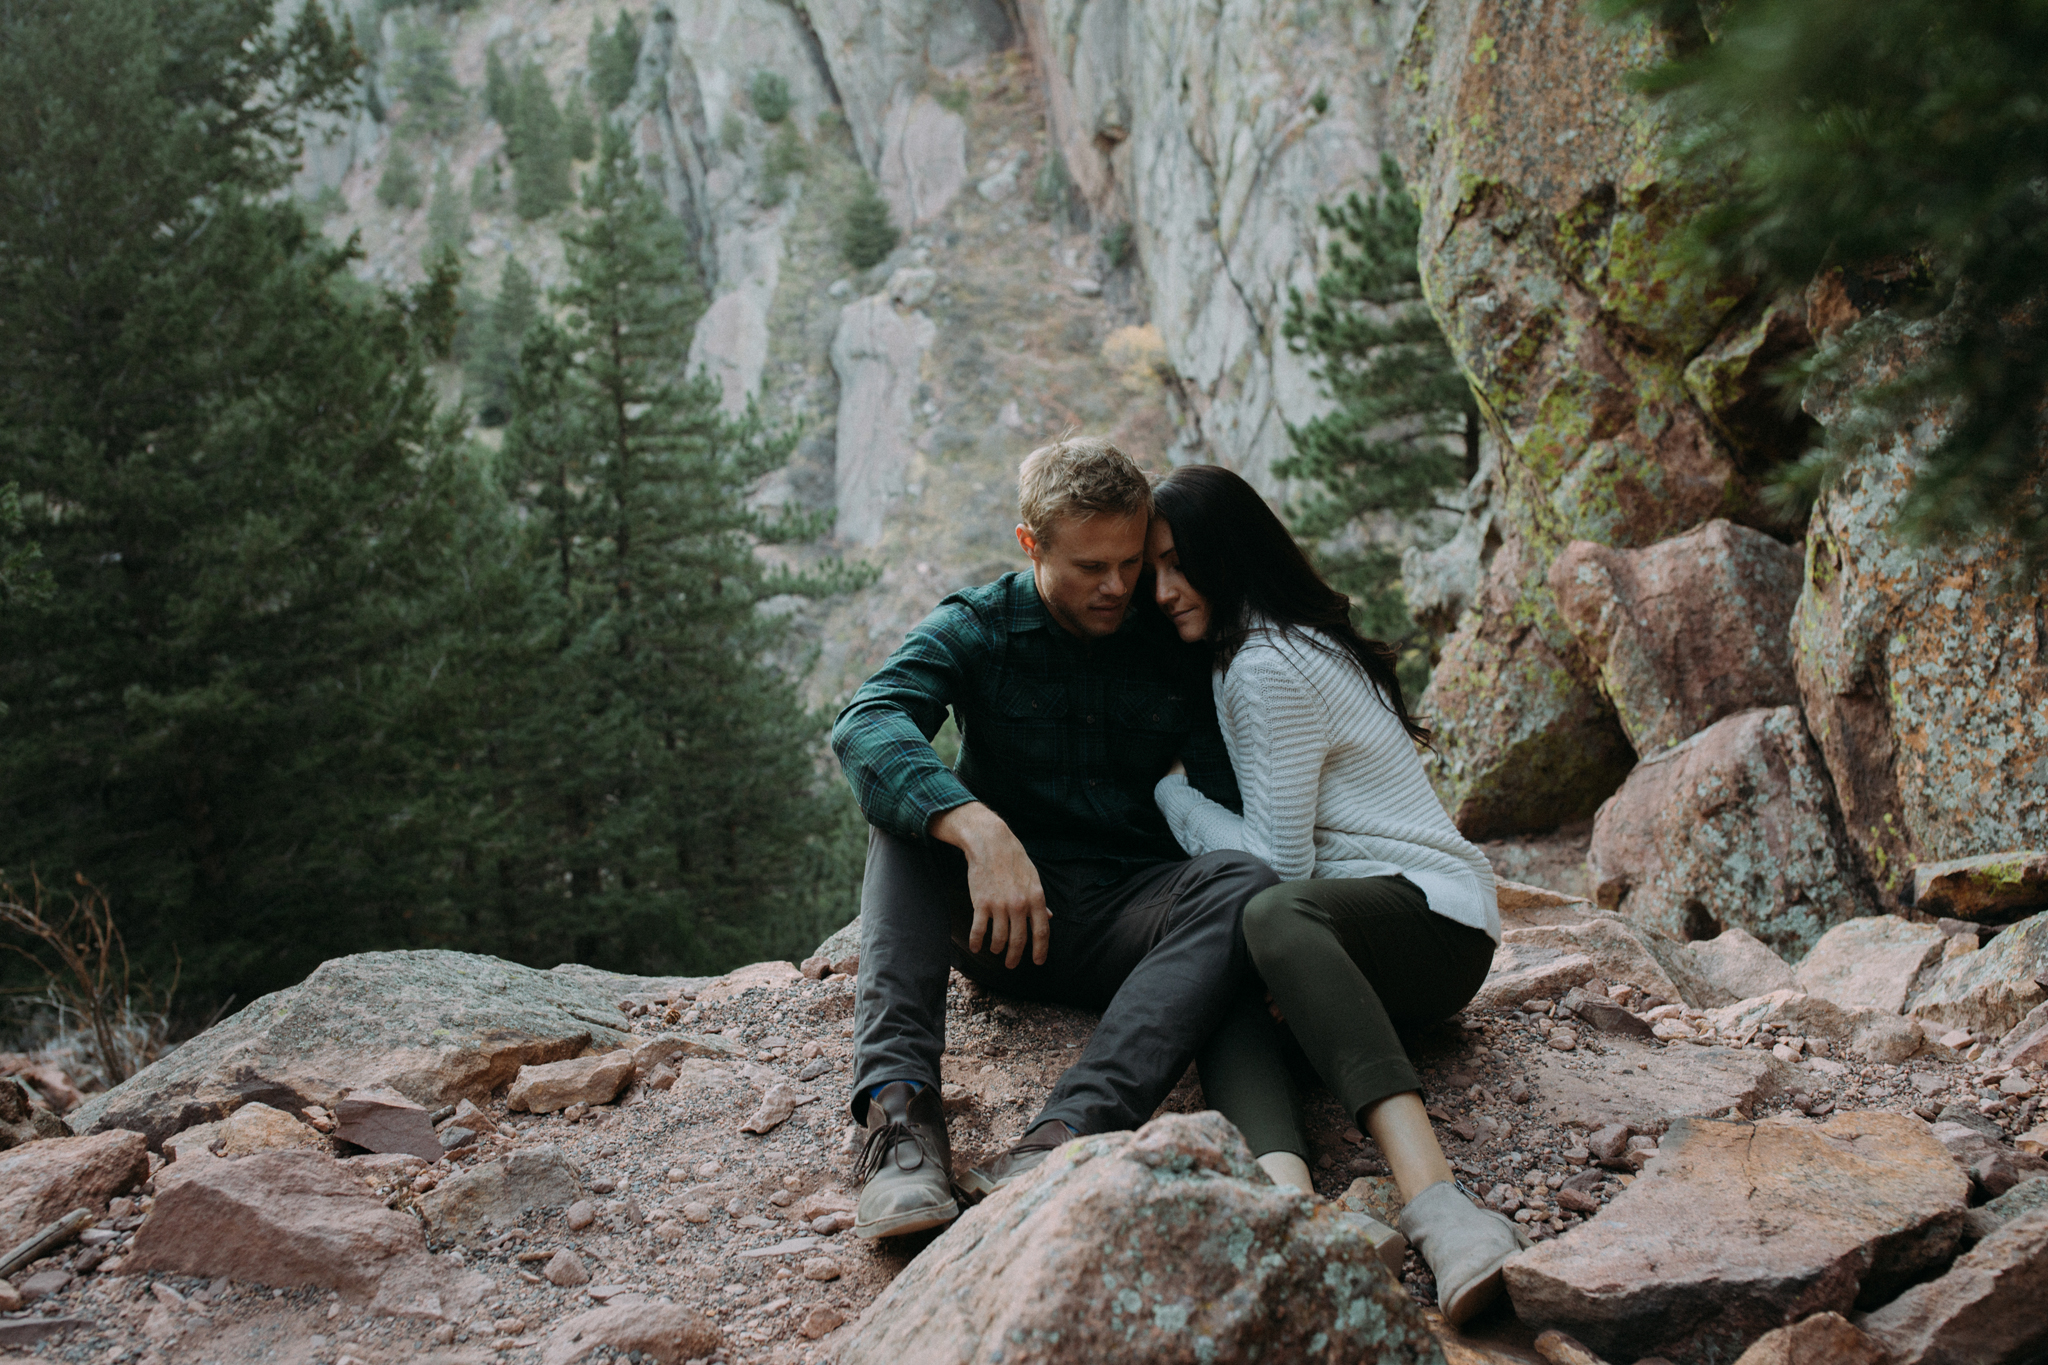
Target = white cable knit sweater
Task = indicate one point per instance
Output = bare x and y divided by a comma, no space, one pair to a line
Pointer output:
1332,785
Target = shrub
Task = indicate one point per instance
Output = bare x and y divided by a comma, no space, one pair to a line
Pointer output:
613,56
582,129
770,94
866,234
955,97
1119,245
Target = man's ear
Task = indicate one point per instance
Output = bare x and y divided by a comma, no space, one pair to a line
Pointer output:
1028,541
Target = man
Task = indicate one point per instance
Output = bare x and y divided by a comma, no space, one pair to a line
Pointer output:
1041,868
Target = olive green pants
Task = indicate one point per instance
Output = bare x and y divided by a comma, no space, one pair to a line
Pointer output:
1345,961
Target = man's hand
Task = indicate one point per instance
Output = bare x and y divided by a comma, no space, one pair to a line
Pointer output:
1009,902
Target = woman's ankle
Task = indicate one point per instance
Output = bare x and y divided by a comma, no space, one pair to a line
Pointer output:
1288,1170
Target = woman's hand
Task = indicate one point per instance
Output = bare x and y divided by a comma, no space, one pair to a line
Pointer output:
1179,769
1274,1009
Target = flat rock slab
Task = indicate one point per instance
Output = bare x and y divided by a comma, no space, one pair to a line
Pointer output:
1645,1086
435,1026
1737,965
382,1120
292,1219
499,1194
1990,890
1991,1305
1735,1229
663,1332
1167,1244
40,1182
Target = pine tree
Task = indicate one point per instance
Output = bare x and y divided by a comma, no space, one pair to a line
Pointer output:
538,145
664,808
22,582
866,233
1405,428
214,715
494,362
1901,143
434,100
400,185
499,96
612,58
447,215
581,129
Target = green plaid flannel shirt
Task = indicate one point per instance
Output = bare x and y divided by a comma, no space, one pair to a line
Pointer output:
1062,737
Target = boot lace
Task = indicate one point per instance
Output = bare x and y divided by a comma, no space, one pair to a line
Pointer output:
881,1142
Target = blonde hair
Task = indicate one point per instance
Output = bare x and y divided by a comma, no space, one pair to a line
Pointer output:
1075,478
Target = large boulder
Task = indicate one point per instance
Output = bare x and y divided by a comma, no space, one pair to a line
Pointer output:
1163,1244
1733,827
288,1219
1735,1228
434,1026
1687,631
1736,965
1987,1307
1645,1087
42,1181
1924,670
1991,990
1871,964
1524,740
877,353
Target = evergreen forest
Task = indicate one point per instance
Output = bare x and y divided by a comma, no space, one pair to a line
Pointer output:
292,666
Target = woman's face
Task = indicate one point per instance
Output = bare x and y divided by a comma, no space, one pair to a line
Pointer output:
1186,608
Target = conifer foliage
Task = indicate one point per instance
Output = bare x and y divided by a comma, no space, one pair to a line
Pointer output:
613,55
655,800
1906,144
1406,426
537,141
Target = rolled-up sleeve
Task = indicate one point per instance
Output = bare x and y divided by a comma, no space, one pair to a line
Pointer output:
883,737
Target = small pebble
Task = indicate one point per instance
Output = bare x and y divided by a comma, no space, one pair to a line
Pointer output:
566,1270
1564,1040
821,1268
697,1213
581,1215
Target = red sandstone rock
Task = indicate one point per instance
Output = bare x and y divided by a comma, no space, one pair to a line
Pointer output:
1736,1227
1871,963
1685,632
662,1332
382,1120
1164,1244
1992,889
295,1218
579,1080
40,1182
1823,1339
1734,827
1987,1307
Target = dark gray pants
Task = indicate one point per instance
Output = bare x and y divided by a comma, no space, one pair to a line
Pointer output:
1156,948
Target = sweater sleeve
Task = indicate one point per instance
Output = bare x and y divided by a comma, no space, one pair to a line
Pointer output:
1275,726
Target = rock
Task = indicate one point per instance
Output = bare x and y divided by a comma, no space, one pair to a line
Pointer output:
1523,971
2024,1198
42,1181
911,286
1823,1339
1733,827
877,354
924,158
287,1219
382,1120
1735,1226
1987,1307
565,1270
663,1332
821,1320
553,1086
1994,1167
1686,632
10,1298
1604,1014
21,1120
1737,964
1924,673
2034,1142
1993,889
1519,898
1136,1247
841,949
432,1025
775,1108
580,1215
1523,739
1871,963
257,1127
1869,1034
498,1194
1609,1141
821,1268
1991,990
455,1137
667,1049
1617,950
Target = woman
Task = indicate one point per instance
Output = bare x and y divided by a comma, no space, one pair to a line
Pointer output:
1385,913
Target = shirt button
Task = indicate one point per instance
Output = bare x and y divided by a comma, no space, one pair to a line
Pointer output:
1091,720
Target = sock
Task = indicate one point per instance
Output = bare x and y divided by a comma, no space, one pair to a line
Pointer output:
875,1092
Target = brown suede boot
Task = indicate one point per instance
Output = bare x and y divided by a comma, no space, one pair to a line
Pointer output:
907,1164
1026,1156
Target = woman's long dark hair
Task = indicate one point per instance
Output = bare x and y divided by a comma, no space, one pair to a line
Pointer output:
1236,553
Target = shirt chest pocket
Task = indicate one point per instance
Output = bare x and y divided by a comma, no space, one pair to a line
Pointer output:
1160,714
1026,704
